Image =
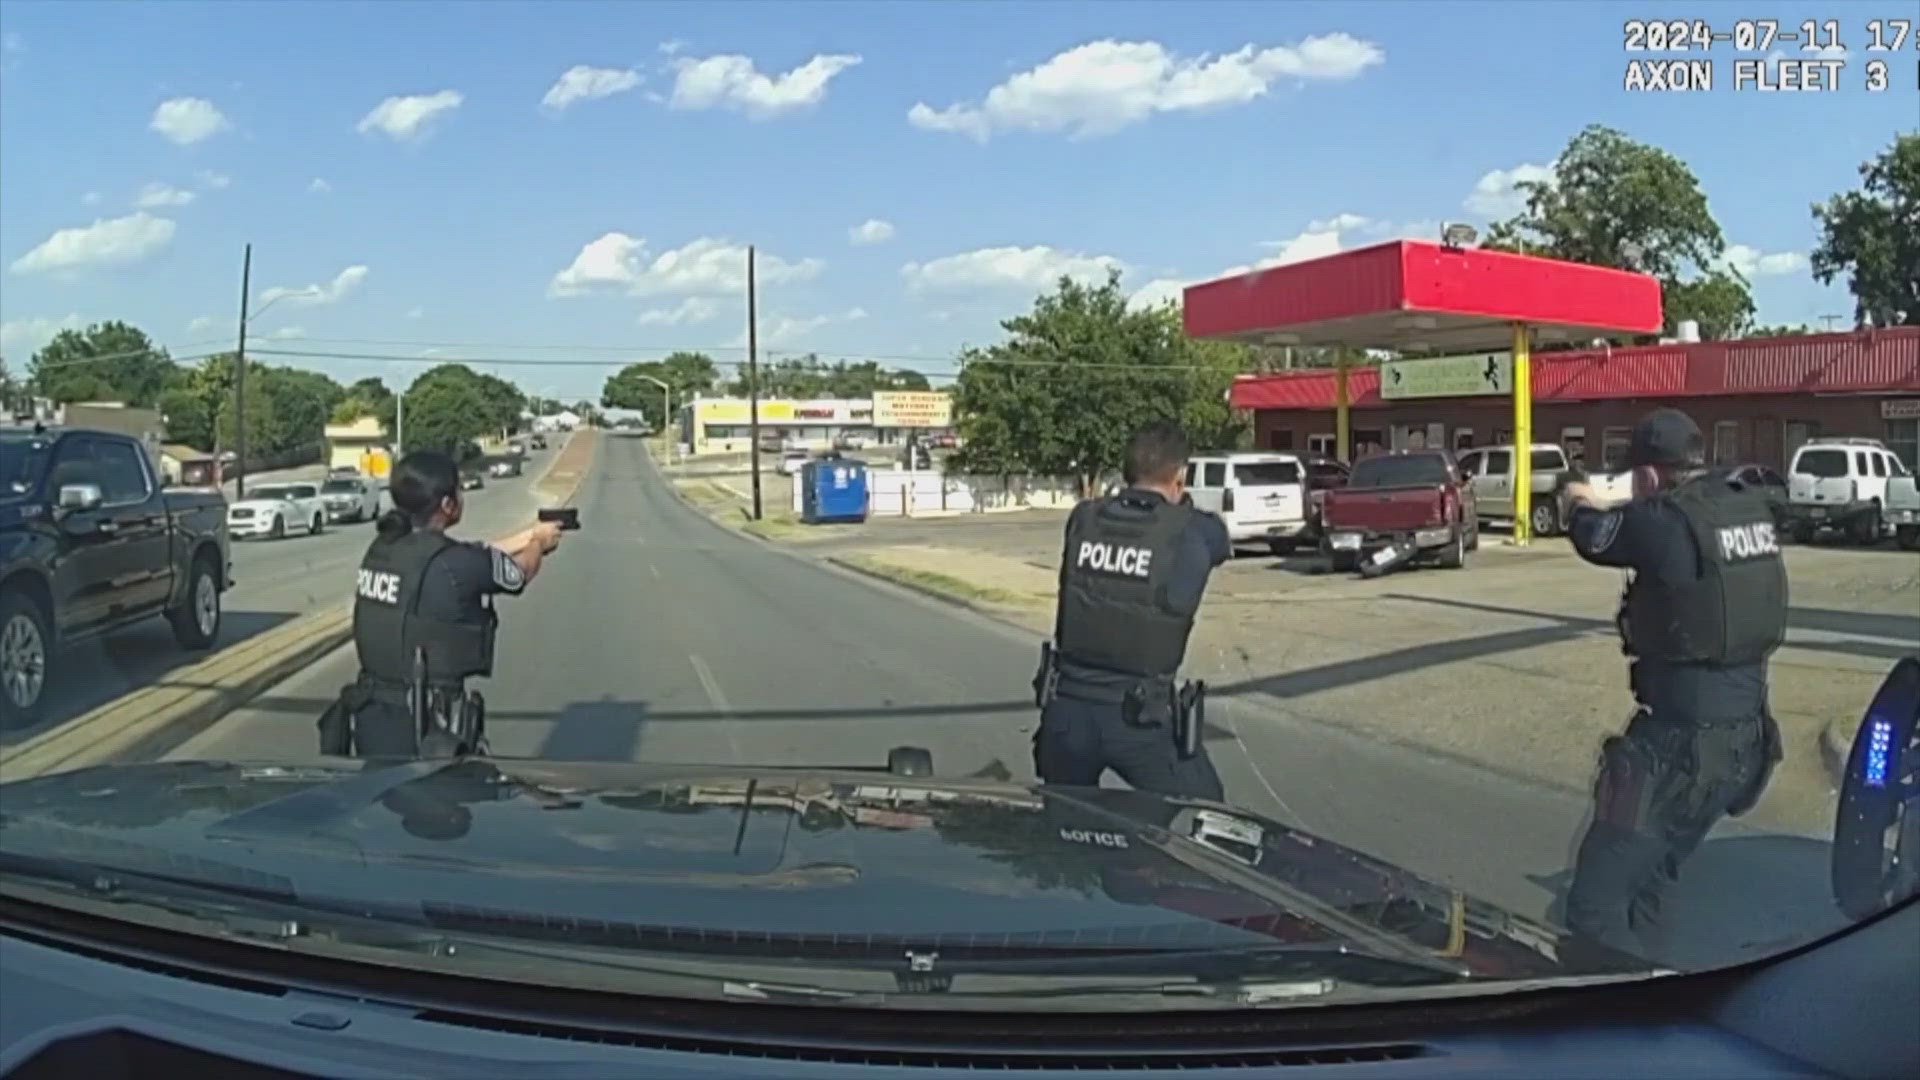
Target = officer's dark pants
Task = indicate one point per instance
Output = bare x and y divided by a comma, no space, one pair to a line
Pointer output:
1662,786
1079,740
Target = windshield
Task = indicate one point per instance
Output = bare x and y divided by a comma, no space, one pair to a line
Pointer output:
717,406
1825,464
22,461
1411,470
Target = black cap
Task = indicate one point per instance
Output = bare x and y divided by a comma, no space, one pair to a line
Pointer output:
1666,437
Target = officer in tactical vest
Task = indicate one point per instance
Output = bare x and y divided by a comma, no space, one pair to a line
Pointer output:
1705,608
1131,578
423,620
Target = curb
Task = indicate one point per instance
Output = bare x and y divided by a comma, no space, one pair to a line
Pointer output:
1836,745
187,701
911,586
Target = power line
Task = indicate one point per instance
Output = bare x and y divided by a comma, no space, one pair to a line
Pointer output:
529,362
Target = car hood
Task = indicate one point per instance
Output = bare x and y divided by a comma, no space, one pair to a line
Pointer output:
258,504
654,853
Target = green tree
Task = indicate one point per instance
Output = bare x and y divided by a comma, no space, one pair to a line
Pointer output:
1620,203
1076,375
1873,237
687,373
302,402
811,377
189,417
1779,331
109,361
451,405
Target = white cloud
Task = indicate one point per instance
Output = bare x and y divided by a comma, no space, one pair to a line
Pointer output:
416,312
1103,86
1494,195
154,195
1035,267
692,309
672,47
108,240
871,231
91,198
202,324
343,283
409,116
213,179
1158,291
286,333
733,82
187,120
319,186
28,335
782,330
1752,262
583,83
703,267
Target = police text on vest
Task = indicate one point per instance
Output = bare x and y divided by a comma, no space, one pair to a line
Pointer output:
380,585
1114,559
1748,541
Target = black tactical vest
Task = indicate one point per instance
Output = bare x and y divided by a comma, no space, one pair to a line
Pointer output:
1735,612
387,629
1113,586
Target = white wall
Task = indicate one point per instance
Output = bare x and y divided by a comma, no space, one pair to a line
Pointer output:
894,492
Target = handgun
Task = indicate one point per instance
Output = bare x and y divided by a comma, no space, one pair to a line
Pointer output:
567,516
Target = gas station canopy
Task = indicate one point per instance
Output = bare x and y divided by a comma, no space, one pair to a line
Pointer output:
1418,296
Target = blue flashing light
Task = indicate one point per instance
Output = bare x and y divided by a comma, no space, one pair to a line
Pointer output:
1879,752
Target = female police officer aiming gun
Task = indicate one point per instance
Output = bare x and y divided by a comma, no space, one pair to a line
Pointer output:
423,619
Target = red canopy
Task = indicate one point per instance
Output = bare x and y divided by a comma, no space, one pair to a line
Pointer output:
1409,294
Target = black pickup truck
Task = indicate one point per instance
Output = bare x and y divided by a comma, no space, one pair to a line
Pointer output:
90,541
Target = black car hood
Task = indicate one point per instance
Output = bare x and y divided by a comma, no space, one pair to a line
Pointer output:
784,857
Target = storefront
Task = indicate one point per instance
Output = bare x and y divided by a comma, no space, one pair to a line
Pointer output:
1755,400
725,425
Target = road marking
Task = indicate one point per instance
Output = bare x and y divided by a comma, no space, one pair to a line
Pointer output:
712,687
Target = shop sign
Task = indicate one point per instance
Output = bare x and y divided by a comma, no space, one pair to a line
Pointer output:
912,409
1469,375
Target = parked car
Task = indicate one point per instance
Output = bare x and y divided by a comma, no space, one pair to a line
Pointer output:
792,461
1488,471
472,480
90,541
1323,475
1260,495
350,498
1401,497
1766,482
1903,510
1841,483
272,509
342,470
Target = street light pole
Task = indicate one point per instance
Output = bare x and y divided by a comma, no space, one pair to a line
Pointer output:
240,384
753,382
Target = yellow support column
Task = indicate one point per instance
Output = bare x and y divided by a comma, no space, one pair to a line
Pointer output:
1522,435
1343,448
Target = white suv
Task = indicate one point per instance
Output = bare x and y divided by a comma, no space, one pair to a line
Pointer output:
1261,496
1844,483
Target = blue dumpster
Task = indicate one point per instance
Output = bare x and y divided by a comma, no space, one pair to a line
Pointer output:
833,489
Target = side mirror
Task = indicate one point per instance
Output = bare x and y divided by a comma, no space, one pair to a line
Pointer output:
80,496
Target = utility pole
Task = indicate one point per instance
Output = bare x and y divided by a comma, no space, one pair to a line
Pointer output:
399,423
240,384
753,383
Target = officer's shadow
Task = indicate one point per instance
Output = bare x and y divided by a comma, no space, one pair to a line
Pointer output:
1738,898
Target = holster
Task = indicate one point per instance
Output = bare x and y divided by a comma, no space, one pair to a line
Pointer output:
1046,680
1771,753
452,722
336,724
1189,717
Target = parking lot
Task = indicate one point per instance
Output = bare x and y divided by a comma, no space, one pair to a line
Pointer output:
1511,663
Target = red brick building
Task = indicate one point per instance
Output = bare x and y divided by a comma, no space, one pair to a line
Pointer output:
1756,400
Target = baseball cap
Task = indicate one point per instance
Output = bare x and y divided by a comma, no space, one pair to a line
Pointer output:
1666,437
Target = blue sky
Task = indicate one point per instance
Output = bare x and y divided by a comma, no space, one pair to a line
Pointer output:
429,176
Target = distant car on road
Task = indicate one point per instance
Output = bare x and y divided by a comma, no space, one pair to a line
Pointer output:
503,468
271,510
537,441
472,481
350,498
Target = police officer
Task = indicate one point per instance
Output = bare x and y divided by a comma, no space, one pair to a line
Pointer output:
1131,579
418,591
1705,608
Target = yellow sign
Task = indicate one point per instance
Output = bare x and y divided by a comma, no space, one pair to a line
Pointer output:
912,409
1472,375
734,411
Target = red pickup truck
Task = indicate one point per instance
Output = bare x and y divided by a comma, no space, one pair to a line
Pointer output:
1404,497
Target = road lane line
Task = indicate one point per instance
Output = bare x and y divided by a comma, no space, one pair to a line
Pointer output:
712,687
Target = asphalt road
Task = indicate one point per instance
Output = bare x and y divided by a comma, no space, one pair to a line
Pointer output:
274,580
657,635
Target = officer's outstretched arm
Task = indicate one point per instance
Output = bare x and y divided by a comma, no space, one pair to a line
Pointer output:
1604,537
529,548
